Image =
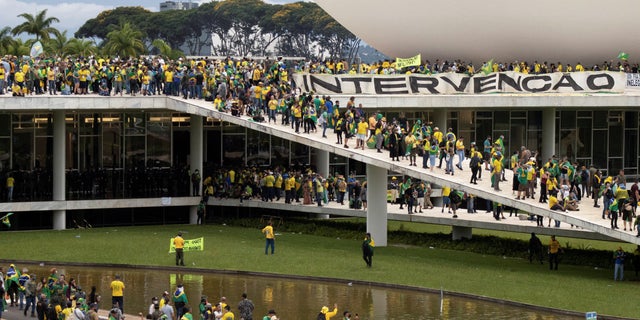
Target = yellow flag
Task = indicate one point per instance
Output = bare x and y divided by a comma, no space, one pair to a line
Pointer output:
408,62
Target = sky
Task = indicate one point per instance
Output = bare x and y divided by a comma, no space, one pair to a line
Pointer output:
73,13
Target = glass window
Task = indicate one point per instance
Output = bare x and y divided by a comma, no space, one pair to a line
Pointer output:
534,120
5,147
584,114
615,134
600,119
484,114
159,144
501,120
135,155
631,119
518,134
484,128
233,149
534,141
43,152
89,153
5,125
258,148
111,145
567,119
615,164
299,154
90,124
584,138
279,151
600,141
213,146
22,148
134,124
518,114
630,148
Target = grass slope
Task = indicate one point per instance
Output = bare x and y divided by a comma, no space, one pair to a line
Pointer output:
233,248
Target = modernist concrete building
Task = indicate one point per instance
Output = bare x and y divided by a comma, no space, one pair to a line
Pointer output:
569,31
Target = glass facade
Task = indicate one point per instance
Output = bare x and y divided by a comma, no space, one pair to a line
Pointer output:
146,154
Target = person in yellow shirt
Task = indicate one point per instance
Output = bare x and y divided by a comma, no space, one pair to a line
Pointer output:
168,82
117,293
273,106
329,314
10,184
361,133
178,243
497,171
270,238
2,79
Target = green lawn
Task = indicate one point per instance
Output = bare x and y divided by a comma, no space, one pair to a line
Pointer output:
572,287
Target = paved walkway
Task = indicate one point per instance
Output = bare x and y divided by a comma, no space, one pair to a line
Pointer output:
588,216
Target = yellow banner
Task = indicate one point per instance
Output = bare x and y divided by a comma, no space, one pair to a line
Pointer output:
189,245
408,62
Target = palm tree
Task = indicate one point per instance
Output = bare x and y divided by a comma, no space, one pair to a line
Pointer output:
166,50
81,47
6,40
124,41
40,25
59,44
19,48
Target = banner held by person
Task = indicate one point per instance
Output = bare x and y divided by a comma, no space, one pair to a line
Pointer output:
408,62
196,244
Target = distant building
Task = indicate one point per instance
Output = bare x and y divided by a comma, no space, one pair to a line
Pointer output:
177,5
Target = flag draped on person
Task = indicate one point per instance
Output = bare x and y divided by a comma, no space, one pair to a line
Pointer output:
408,62
488,67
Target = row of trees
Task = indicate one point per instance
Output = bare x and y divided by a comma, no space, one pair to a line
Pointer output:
223,28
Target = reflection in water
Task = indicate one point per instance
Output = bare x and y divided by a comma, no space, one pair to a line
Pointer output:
292,299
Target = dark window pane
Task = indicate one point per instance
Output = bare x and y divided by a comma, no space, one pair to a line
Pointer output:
600,119
583,143
600,141
630,148
631,119
567,119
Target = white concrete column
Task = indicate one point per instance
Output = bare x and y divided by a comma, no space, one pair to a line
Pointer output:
322,162
440,119
377,204
196,158
548,133
59,183
458,232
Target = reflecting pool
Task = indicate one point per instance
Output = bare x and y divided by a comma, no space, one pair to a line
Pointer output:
291,298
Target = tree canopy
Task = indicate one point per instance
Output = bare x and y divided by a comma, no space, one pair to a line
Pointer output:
222,28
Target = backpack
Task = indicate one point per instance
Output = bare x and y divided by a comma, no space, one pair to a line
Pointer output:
454,197
321,316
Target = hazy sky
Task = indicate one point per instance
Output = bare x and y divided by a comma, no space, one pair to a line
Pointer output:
73,13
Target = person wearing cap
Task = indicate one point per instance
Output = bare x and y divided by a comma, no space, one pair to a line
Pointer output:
92,314
180,300
328,314
30,294
178,243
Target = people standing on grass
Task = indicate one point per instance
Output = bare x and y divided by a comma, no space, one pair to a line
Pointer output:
618,259
367,249
554,250
270,238
535,248
178,243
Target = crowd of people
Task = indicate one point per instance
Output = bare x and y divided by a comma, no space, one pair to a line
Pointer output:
56,297
263,90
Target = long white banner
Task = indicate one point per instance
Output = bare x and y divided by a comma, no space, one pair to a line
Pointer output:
455,83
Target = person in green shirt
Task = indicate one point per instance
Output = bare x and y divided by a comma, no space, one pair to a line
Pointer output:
187,314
